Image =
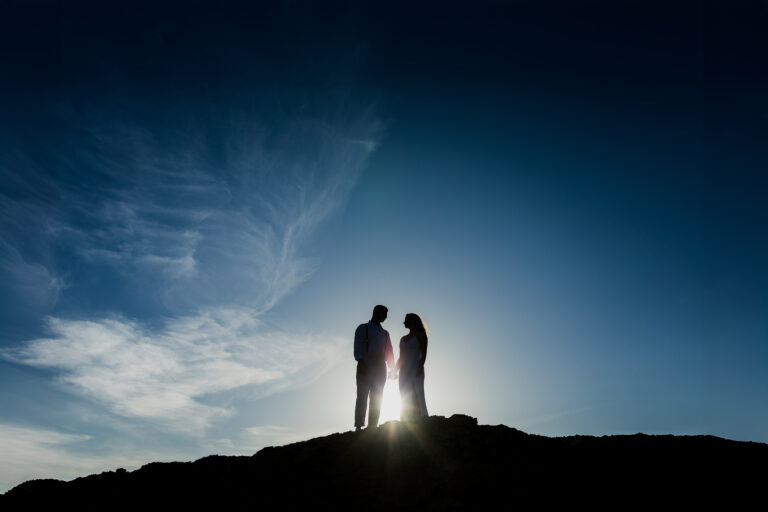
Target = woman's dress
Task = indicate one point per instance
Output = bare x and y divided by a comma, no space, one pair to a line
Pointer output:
413,404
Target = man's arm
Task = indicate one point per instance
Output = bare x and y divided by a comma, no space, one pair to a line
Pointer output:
400,357
359,343
389,354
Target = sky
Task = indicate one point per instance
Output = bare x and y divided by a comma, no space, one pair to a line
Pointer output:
199,203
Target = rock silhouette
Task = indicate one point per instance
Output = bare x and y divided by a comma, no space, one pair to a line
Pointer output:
437,464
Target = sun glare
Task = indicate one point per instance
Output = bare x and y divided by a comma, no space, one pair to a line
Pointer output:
390,402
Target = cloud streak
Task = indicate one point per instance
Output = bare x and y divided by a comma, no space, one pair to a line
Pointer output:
164,377
215,209
30,452
211,224
33,282
222,224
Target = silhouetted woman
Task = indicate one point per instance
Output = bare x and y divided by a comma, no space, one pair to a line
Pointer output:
413,354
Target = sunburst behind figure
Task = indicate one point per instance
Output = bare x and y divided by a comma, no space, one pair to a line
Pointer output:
390,402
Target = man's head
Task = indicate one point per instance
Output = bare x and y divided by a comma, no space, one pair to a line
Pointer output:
379,314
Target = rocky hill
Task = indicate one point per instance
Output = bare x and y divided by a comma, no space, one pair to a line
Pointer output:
438,464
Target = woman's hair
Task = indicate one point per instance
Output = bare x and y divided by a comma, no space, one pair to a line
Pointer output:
417,324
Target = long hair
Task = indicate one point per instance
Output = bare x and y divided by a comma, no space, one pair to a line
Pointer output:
417,324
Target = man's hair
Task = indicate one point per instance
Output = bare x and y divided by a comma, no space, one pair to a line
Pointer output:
380,308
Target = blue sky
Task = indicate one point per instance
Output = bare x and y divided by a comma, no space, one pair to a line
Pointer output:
200,204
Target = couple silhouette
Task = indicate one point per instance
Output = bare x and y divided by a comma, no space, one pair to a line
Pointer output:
373,353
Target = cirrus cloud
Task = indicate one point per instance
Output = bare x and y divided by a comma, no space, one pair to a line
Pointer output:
208,227
164,375
33,452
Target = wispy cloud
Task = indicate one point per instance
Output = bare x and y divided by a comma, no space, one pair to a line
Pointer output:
164,375
30,453
213,222
33,282
272,435
211,210
252,439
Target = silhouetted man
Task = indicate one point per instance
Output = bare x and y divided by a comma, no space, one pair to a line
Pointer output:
373,352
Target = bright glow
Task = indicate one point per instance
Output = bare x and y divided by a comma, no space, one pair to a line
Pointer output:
390,403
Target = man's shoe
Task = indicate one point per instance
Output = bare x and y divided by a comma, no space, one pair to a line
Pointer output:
358,429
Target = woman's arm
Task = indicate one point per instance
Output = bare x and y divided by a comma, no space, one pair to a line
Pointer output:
400,357
422,358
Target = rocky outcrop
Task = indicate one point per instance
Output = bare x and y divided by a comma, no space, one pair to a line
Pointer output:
437,464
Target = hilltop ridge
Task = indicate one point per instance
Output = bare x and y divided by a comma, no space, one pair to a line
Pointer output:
437,464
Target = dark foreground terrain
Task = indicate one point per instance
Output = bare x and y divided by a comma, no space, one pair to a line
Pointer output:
439,464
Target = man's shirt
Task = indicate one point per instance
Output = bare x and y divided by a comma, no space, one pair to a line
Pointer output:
378,342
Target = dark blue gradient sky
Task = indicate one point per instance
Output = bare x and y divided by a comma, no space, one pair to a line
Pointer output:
199,202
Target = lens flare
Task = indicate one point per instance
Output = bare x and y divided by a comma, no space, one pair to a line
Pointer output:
390,402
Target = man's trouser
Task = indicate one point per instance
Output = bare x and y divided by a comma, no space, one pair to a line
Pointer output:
371,377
